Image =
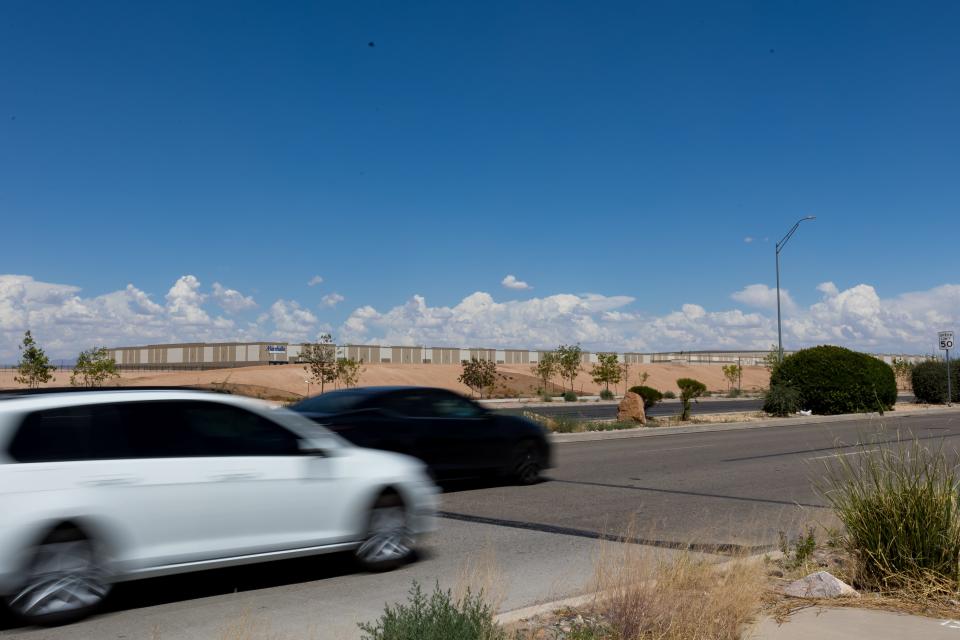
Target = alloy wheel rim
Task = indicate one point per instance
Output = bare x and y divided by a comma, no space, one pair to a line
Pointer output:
388,538
62,578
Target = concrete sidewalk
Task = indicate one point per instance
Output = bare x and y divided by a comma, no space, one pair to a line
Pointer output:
853,624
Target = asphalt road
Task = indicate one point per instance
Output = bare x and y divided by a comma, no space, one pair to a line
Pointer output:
713,489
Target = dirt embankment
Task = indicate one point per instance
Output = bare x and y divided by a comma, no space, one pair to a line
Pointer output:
287,382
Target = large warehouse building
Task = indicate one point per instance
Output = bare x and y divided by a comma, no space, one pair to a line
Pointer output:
220,355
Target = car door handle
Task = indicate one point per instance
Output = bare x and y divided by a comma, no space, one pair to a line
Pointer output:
234,477
106,481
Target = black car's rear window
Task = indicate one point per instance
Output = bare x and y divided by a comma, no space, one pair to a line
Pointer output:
333,402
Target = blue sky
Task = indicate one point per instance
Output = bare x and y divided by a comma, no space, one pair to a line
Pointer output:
623,150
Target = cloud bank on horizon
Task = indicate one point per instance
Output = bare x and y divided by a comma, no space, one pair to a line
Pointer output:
64,321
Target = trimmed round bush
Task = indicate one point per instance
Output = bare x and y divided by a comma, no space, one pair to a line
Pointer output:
569,396
833,380
669,395
650,396
606,394
929,381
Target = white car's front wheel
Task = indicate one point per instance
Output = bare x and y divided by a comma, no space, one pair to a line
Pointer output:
388,543
63,581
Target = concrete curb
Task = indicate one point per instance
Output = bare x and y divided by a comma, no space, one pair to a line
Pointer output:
646,432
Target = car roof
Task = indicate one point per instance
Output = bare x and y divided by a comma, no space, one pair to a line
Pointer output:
372,391
52,400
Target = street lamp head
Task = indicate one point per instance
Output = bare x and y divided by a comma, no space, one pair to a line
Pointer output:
810,218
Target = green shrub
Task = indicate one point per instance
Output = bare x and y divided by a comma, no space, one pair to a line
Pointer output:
690,389
669,395
734,393
569,396
546,397
929,381
834,380
565,424
650,396
782,400
900,512
438,617
606,394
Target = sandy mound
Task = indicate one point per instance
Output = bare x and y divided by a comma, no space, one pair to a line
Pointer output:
514,379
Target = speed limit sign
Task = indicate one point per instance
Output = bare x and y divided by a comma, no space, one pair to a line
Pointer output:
946,340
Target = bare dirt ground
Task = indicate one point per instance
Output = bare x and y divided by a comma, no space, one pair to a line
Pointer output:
514,380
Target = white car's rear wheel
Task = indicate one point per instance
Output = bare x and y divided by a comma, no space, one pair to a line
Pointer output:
63,581
388,543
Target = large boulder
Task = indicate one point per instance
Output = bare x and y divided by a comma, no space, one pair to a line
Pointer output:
631,408
820,585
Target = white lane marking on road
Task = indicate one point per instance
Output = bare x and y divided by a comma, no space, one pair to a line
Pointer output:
840,455
950,624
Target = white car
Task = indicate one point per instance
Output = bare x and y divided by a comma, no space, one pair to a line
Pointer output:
100,487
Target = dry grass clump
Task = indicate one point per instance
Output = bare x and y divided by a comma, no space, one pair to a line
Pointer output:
900,511
677,596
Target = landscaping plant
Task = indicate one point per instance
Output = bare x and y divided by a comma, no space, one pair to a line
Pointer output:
901,514
833,380
650,396
690,389
437,617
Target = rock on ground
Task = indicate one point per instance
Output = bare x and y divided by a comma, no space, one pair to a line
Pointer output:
821,584
631,408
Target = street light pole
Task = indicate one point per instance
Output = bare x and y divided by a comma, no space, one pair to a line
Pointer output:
780,246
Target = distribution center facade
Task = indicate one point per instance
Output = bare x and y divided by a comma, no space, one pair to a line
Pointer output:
218,355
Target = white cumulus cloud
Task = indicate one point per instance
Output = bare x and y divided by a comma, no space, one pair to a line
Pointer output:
231,300
331,299
511,282
761,296
314,281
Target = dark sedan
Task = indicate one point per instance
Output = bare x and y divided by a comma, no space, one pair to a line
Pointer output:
453,435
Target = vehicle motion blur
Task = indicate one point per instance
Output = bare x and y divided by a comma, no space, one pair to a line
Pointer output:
100,487
454,436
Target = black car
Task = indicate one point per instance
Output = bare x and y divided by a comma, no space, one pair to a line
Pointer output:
453,435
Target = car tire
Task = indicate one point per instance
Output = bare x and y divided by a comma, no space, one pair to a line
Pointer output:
527,463
387,543
64,581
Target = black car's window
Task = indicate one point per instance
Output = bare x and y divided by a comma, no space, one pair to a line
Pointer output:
449,405
409,404
335,402
430,404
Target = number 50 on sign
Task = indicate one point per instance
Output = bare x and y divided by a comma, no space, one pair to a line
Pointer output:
946,340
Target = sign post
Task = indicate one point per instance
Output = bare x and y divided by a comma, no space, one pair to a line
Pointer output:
946,343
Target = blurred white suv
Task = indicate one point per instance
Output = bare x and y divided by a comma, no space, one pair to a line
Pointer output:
99,487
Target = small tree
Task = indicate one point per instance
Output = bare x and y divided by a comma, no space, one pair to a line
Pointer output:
93,368
772,360
569,359
545,369
34,367
690,389
478,374
606,371
732,373
902,369
349,371
321,361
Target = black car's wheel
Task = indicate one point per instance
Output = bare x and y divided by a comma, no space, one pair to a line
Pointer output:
63,582
527,463
388,543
